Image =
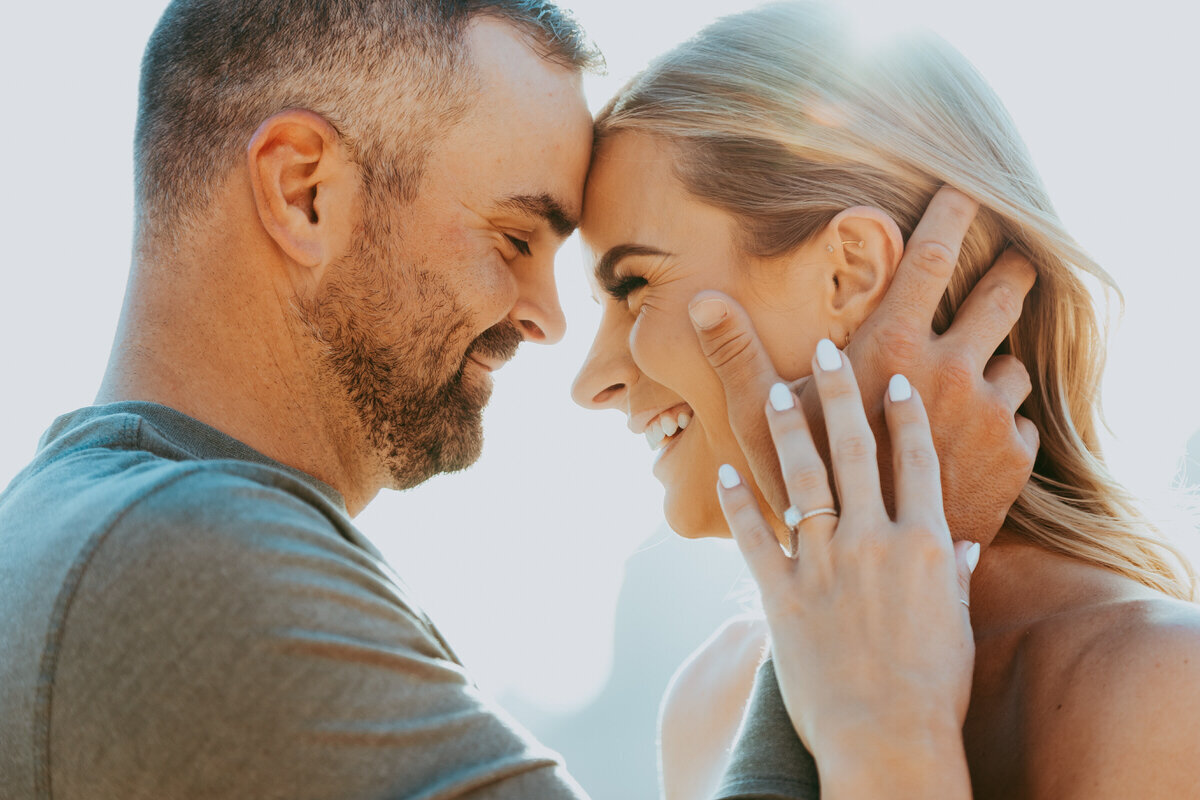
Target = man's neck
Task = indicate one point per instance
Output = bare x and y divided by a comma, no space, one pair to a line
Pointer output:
1019,584
223,350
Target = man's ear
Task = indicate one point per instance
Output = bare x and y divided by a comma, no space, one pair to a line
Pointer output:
304,186
863,246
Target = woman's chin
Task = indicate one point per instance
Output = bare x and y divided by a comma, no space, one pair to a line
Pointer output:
695,517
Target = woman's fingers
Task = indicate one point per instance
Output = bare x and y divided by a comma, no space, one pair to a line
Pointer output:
804,473
914,459
750,530
851,441
966,558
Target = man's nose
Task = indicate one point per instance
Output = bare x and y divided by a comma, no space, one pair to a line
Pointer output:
538,313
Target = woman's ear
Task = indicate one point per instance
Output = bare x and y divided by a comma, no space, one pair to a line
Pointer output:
304,187
863,246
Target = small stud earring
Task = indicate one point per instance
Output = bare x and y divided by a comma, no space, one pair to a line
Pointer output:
829,247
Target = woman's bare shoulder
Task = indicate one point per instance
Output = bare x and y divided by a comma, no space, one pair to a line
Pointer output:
1124,718
725,661
703,707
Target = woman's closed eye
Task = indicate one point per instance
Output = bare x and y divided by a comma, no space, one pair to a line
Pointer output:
621,288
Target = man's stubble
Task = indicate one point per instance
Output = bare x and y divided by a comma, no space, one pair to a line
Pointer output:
392,338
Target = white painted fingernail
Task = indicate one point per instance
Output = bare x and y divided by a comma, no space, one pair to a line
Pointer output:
973,557
728,476
899,389
791,517
828,357
781,397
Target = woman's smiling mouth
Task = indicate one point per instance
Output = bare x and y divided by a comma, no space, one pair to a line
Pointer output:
667,425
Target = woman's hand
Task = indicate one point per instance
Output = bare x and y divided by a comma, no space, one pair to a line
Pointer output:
987,448
869,620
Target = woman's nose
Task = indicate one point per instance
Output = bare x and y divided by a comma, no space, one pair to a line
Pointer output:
605,377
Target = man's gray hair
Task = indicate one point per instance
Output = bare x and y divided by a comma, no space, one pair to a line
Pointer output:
388,75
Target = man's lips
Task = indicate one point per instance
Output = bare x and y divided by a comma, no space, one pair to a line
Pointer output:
490,364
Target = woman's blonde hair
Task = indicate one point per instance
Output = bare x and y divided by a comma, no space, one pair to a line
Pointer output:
780,120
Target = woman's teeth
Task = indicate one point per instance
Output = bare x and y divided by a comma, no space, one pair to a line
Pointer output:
664,427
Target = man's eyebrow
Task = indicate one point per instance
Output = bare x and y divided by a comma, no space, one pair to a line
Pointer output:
547,208
607,267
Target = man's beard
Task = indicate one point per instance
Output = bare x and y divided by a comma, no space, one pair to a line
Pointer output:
391,336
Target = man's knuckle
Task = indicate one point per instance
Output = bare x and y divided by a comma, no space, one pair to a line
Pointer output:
996,418
1006,301
898,344
955,374
933,257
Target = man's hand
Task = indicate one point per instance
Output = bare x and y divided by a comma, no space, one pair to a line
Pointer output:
985,448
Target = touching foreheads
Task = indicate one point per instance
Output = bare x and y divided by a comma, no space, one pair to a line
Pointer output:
388,75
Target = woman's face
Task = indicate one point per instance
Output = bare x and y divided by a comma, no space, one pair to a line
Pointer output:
653,246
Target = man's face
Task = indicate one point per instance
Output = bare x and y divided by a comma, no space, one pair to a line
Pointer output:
437,293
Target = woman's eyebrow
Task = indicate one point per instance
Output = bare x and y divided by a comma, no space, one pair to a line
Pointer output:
607,266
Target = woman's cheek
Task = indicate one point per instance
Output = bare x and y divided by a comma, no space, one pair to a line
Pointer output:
646,345
664,345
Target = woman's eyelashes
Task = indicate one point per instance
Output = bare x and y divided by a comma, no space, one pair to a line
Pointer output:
521,245
623,286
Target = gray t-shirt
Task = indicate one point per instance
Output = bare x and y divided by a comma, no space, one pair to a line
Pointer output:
183,617
768,762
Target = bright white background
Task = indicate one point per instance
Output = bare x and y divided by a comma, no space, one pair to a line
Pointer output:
532,541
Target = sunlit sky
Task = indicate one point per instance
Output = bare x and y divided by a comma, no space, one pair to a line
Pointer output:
520,558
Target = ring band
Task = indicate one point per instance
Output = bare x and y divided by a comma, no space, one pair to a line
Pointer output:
965,603
793,518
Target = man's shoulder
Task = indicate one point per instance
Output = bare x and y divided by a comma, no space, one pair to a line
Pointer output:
231,619
227,501
225,534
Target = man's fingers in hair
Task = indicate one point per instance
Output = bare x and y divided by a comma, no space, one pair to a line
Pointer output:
1010,379
930,257
993,307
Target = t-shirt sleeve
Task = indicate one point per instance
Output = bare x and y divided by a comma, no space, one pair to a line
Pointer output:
226,641
768,762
